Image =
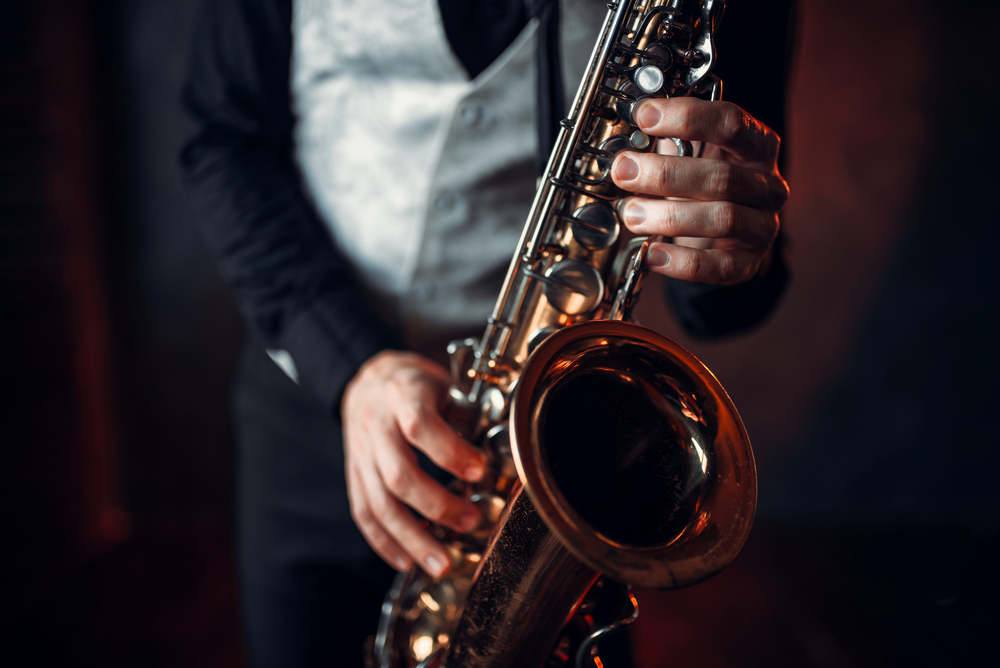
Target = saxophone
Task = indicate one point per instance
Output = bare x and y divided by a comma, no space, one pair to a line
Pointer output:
616,457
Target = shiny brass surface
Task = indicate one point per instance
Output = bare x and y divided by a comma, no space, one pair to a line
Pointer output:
524,596
612,449
633,454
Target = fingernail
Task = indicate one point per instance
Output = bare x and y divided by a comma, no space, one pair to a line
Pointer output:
626,169
470,522
647,116
657,257
435,566
402,564
634,213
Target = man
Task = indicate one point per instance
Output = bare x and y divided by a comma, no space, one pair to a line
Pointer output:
363,171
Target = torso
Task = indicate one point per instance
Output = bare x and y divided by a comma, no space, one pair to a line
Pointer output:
423,176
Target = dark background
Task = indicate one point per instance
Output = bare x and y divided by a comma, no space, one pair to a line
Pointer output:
869,396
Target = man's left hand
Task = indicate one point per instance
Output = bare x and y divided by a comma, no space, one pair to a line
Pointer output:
719,211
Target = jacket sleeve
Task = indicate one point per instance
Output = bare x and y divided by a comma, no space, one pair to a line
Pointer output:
756,48
714,311
296,291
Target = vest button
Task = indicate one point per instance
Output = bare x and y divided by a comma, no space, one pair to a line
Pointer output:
445,201
425,292
471,114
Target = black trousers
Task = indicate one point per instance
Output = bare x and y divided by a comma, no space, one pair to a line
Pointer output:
311,588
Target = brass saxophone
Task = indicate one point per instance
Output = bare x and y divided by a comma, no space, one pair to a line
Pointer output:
616,457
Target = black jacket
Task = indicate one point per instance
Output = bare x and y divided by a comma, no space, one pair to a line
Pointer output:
296,291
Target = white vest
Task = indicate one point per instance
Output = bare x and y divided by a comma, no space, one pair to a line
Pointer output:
423,177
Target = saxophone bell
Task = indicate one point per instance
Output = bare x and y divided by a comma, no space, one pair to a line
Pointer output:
635,465
633,454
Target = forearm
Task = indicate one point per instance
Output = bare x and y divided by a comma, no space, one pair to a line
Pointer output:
295,290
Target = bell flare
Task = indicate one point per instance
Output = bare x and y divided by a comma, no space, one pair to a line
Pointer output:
633,454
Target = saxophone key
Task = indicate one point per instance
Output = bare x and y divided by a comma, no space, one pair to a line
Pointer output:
649,79
573,287
494,404
640,140
491,506
595,226
611,148
656,54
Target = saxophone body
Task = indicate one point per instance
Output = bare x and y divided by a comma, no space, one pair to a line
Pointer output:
616,457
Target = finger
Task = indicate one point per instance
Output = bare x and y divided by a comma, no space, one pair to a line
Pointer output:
723,266
423,427
720,123
401,526
407,482
687,218
701,179
383,544
432,368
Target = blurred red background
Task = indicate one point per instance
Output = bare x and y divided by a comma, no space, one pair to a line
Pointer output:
867,396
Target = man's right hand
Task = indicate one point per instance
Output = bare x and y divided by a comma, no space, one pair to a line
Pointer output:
390,407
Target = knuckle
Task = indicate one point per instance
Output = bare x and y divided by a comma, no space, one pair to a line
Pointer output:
670,219
774,225
361,515
403,380
694,267
378,506
663,178
729,271
448,456
406,419
723,181
780,193
435,510
397,480
367,417
686,120
773,144
381,543
397,386
726,221
734,121
412,419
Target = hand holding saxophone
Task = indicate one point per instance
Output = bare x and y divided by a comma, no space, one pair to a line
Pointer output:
390,407
721,211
